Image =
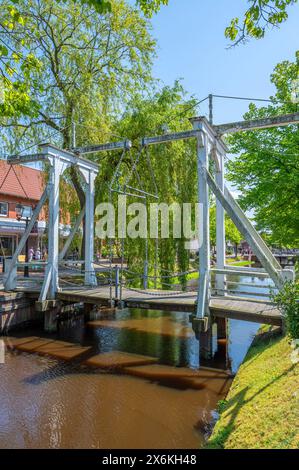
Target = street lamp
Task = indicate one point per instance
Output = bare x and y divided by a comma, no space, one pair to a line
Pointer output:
24,212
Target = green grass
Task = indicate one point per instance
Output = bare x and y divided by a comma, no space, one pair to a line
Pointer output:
233,262
262,406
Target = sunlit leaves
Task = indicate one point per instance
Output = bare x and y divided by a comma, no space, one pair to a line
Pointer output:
266,166
174,165
260,15
151,6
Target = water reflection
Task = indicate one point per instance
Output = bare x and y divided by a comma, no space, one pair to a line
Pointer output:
46,402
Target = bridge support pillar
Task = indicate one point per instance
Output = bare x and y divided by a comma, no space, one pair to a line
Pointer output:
222,326
203,329
51,320
204,222
206,343
88,308
56,170
90,278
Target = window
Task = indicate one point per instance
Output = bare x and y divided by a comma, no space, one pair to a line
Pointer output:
26,212
23,212
4,208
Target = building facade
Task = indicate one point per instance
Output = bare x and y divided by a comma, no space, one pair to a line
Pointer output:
21,187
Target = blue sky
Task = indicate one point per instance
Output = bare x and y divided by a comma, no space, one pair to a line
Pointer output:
192,46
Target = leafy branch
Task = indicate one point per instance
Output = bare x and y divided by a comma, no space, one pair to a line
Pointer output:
257,18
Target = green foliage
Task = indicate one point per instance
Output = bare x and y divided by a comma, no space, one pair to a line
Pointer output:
16,66
147,6
263,395
231,232
221,405
259,15
288,302
90,65
96,71
174,167
266,166
151,6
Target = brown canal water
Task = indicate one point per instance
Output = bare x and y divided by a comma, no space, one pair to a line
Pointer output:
53,403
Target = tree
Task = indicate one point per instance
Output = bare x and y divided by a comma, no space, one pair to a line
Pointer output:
232,234
90,65
174,167
147,6
257,18
266,166
17,65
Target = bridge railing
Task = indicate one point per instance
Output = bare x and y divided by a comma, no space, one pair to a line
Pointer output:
25,274
243,282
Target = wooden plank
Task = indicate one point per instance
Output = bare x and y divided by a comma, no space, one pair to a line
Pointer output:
229,307
49,347
118,359
32,346
63,350
247,311
182,377
12,342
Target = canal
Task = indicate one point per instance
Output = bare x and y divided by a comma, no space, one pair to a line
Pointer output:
50,403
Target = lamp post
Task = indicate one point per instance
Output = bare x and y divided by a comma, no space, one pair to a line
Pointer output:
24,212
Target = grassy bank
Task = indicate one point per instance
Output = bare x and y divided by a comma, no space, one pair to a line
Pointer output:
262,407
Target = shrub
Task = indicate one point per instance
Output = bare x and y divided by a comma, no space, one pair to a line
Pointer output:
288,303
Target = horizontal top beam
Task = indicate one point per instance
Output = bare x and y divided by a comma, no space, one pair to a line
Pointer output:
239,126
202,123
125,144
49,150
169,137
18,159
69,156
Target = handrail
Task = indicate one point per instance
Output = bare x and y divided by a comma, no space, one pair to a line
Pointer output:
241,273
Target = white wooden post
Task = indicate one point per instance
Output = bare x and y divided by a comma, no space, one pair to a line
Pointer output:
220,226
90,278
53,226
204,225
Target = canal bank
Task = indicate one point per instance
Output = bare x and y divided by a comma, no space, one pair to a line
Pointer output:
171,399
261,409
47,385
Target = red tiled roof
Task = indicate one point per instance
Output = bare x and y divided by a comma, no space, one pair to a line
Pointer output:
21,181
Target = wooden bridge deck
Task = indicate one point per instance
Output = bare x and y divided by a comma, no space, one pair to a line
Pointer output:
228,307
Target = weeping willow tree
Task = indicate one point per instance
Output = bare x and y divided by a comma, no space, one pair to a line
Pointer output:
174,168
90,65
